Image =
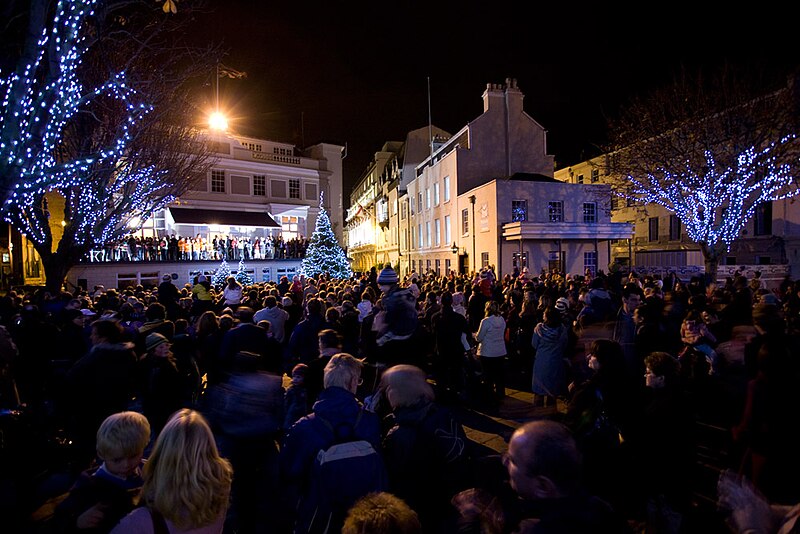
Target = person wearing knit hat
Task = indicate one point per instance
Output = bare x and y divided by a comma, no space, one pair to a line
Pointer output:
154,340
162,389
387,277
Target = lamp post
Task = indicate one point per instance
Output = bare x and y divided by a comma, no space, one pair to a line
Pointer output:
474,263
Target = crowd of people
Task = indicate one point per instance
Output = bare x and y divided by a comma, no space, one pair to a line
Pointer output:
193,248
325,405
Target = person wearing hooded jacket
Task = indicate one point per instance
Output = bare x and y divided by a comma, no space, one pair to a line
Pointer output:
338,406
549,340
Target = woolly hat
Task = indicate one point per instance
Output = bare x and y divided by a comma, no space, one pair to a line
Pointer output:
286,301
562,304
300,369
153,340
387,276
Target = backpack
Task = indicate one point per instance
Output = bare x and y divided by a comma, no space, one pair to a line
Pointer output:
343,472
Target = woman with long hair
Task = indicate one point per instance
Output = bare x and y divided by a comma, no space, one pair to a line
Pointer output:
186,482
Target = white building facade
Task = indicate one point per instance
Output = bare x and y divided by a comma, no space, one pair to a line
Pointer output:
482,200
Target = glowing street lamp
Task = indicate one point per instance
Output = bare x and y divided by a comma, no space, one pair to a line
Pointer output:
217,121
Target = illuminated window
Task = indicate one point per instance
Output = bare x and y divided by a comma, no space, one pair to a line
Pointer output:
595,176
590,262
555,210
437,232
446,228
589,212
464,221
447,189
519,210
436,194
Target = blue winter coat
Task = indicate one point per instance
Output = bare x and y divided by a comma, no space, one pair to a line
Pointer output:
549,370
309,435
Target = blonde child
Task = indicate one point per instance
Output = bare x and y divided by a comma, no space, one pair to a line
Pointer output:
103,495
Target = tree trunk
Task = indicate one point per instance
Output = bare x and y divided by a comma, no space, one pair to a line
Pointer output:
711,260
56,266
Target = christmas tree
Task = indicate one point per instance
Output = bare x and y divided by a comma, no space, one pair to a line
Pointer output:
241,274
324,255
221,275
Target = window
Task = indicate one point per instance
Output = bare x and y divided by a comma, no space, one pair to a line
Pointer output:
217,181
413,265
260,185
411,204
437,232
464,221
589,212
762,223
428,264
556,260
447,267
484,259
438,267
294,188
403,211
420,243
427,233
289,227
419,203
580,179
595,175
652,229
447,189
428,198
555,210
590,262
447,236
614,202
436,194
519,210
674,228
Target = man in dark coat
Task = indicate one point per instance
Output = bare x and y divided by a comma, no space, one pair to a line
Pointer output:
448,365
303,346
247,337
168,296
337,408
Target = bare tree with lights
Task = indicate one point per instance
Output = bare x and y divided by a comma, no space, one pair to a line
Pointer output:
710,151
94,118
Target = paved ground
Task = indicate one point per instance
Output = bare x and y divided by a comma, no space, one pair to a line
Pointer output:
493,430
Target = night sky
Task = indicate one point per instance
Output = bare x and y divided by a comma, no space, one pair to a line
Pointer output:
356,73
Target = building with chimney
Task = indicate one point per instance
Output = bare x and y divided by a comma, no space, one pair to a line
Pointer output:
487,198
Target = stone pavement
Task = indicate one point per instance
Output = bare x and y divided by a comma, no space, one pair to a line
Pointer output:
493,430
